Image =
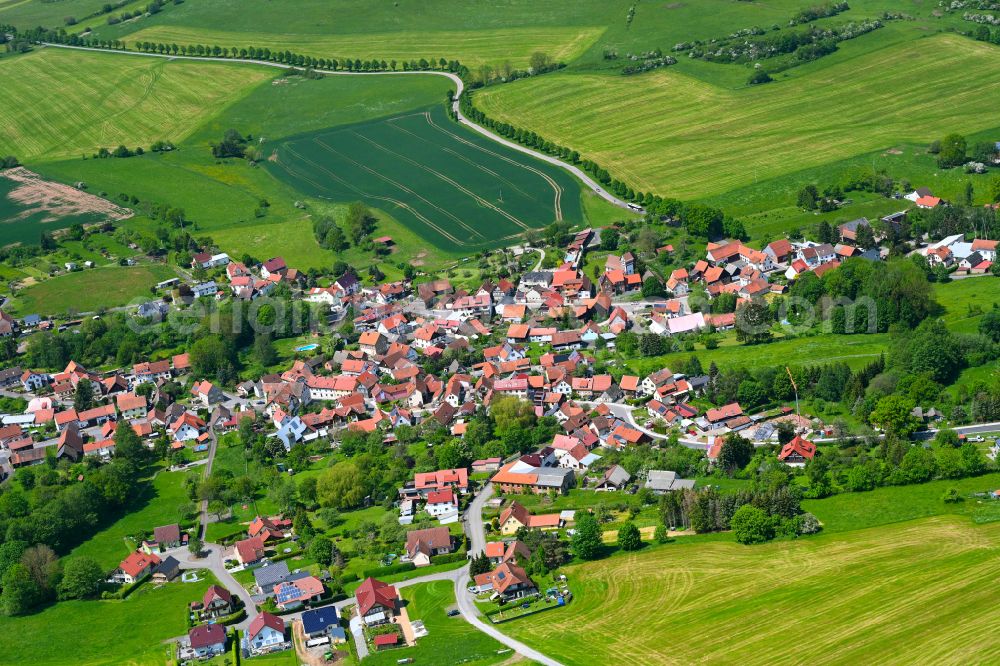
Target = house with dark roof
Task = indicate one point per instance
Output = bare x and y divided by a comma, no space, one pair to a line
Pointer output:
167,536
422,545
167,570
323,622
267,577
615,478
660,482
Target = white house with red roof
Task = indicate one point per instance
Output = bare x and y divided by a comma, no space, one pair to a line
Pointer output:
442,504
249,552
274,266
135,567
266,633
187,427
376,602
207,640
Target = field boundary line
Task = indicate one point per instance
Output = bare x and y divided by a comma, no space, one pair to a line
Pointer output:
459,88
361,193
446,179
391,122
400,186
557,206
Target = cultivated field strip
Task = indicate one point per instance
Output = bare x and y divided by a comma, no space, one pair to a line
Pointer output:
464,196
471,47
906,593
63,104
676,135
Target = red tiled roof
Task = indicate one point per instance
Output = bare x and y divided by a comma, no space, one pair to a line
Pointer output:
373,592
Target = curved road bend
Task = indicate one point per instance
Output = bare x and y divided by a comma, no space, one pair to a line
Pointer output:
459,87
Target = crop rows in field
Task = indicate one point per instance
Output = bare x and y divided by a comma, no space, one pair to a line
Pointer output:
460,191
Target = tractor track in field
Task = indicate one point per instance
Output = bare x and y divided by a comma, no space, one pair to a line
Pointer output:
437,174
397,185
391,122
556,204
357,191
454,78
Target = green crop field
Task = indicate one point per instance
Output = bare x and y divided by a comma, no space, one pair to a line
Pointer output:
59,103
460,190
906,593
673,134
103,633
91,289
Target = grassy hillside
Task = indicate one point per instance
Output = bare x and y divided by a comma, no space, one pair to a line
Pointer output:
91,289
906,593
679,136
60,103
294,105
469,47
104,633
573,31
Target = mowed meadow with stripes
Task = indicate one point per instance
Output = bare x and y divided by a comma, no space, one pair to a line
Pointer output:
458,190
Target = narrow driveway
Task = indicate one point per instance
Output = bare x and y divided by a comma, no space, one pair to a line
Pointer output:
459,87
474,527
213,562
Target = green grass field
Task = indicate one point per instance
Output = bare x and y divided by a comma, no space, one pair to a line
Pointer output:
895,504
470,47
92,289
450,640
31,13
855,350
103,633
459,190
60,103
966,300
679,136
157,506
575,32
906,593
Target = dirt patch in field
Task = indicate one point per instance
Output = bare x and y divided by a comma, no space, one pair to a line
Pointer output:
55,200
673,5
894,151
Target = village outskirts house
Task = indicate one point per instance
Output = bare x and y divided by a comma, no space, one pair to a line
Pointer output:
376,602
207,640
422,545
318,623
265,634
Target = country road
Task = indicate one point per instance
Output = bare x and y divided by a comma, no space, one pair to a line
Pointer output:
459,87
